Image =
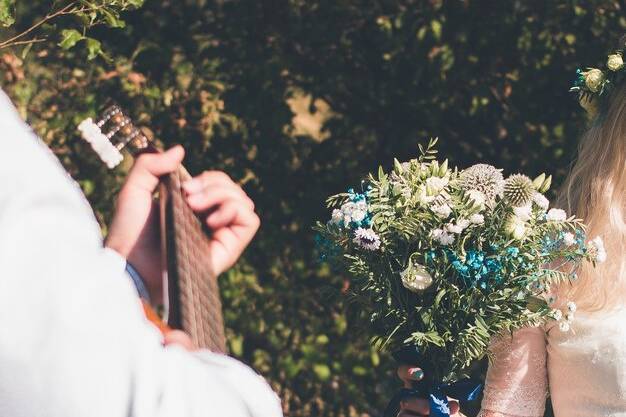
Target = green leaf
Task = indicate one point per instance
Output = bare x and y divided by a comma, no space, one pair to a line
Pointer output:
136,3
7,12
70,37
113,20
94,47
322,371
435,26
26,50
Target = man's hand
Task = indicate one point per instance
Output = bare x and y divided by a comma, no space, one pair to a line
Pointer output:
220,203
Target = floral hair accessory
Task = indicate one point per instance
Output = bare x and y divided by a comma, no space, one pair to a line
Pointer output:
594,84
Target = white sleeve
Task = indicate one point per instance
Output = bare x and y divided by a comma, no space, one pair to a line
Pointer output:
73,338
517,383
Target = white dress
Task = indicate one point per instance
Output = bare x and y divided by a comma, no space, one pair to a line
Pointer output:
73,338
583,369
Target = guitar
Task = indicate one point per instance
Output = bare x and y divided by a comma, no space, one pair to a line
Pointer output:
191,293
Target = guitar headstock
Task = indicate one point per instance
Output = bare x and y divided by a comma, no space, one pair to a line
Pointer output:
111,133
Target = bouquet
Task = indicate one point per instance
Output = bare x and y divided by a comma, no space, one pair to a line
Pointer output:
443,259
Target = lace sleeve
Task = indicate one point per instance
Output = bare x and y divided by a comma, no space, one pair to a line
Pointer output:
516,384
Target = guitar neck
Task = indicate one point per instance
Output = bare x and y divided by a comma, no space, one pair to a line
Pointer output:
191,294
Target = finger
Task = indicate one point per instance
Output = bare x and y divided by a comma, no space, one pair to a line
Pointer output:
210,180
178,337
454,407
206,179
149,167
415,405
233,212
228,243
409,374
210,197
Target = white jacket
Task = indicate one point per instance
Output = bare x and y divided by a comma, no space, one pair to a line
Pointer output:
73,338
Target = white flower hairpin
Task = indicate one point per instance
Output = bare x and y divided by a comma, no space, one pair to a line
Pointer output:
594,83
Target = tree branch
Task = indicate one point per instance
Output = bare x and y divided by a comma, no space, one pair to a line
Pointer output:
14,40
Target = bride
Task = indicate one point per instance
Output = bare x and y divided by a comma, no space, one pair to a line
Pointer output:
584,369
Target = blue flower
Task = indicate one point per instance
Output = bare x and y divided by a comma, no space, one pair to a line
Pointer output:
512,251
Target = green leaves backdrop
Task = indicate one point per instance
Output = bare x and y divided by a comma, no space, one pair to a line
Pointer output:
297,100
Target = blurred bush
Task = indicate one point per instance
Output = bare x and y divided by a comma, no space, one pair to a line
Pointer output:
367,80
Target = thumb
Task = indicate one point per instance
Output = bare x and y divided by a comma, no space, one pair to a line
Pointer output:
149,167
158,164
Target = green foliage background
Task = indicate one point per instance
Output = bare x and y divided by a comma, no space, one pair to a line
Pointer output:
489,78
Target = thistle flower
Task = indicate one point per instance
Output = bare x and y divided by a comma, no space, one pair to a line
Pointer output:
518,190
484,178
415,277
556,215
367,239
594,79
615,62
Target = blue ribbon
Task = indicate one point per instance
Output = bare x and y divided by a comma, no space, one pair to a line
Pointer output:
463,390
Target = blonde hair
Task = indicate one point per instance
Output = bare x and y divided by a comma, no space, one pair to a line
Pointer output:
595,191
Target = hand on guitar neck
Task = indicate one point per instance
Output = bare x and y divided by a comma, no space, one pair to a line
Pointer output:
222,205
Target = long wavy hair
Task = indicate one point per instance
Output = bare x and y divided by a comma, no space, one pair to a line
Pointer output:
595,191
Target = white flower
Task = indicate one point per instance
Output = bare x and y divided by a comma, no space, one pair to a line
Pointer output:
415,277
564,326
596,249
446,239
569,239
464,223
478,198
615,62
556,215
435,185
569,317
358,215
557,314
594,79
337,217
423,196
571,306
442,210
350,212
367,239
524,213
458,227
436,233
442,237
477,219
516,227
541,201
